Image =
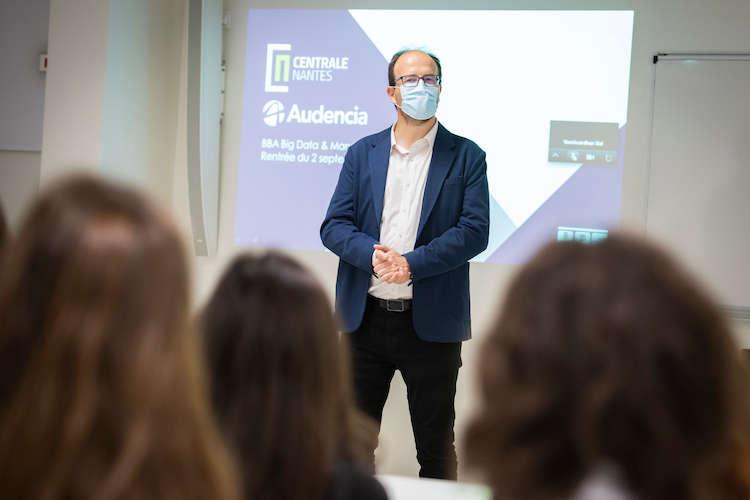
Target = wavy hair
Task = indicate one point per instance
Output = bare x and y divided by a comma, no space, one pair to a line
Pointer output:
102,392
4,233
610,354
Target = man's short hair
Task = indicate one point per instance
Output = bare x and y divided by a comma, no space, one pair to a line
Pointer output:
392,77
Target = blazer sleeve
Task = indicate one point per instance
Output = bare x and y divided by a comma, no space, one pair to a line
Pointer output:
463,241
339,231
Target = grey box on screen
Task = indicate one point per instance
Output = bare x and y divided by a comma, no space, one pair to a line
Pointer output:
589,143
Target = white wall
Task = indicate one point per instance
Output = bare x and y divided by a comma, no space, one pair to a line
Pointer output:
71,138
19,182
111,102
140,100
23,38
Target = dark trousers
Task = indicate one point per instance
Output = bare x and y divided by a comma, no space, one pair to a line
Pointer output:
386,342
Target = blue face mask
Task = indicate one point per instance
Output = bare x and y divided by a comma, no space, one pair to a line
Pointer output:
419,102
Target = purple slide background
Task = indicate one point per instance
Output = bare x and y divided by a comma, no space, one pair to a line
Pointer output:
282,204
591,199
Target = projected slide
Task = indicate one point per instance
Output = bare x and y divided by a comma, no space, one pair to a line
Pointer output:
544,93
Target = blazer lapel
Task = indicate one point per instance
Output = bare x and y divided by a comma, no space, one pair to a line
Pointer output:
442,159
378,160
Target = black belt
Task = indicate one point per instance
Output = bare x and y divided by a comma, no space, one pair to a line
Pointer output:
392,305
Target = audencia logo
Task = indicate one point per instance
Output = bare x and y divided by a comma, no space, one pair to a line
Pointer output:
273,112
273,115
278,64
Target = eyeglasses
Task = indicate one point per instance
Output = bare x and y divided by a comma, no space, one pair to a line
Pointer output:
413,80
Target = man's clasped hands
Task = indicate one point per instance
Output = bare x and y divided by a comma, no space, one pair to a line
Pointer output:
390,266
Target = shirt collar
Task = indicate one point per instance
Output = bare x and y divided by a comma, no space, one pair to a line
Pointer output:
429,138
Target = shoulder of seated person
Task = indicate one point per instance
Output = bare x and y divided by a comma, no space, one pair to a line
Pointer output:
351,481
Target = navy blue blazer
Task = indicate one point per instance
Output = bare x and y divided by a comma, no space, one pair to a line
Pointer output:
453,227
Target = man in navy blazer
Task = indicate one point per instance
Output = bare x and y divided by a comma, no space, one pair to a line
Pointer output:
410,209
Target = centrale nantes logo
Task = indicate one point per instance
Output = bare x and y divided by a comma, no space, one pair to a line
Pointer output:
282,67
278,63
273,113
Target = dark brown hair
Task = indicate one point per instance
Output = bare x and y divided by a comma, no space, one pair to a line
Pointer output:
3,229
610,354
397,55
280,378
102,395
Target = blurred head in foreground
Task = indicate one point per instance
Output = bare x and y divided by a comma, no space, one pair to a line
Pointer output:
101,390
280,381
609,357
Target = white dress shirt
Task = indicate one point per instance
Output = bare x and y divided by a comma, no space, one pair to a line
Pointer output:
402,205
